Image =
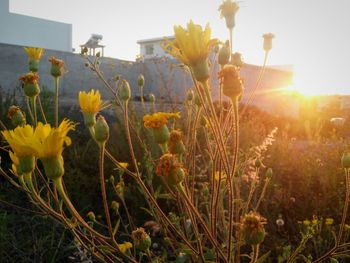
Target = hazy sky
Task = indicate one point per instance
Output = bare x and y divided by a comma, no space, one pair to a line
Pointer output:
312,35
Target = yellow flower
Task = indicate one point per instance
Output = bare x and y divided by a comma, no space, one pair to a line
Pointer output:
192,47
124,165
90,102
158,119
306,222
228,8
34,53
329,221
51,140
217,176
125,246
22,141
15,163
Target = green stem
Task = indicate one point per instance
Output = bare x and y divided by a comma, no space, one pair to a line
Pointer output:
33,104
56,101
42,109
103,190
231,38
59,185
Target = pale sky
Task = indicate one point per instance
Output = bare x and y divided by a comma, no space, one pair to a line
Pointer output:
312,35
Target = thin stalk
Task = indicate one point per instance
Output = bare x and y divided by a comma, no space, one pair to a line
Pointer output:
33,104
29,108
42,110
56,101
234,167
255,253
103,190
262,194
59,185
257,84
231,39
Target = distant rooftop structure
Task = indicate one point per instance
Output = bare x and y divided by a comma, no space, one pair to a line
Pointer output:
30,31
151,48
92,44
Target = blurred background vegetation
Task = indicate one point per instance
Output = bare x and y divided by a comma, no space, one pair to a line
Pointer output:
307,183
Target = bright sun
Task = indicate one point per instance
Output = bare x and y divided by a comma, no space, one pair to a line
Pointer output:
311,80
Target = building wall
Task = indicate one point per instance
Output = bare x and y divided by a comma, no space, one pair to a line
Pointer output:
31,31
157,50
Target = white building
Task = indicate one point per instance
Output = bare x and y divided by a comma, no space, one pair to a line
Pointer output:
151,48
30,31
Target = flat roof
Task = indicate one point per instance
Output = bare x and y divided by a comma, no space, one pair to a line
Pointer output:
156,39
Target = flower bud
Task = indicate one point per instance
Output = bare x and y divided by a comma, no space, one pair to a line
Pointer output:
30,84
124,91
161,135
197,101
253,230
228,10
115,206
268,41
224,54
16,116
91,216
142,240
188,225
176,176
189,95
101,130
57,67
232,85
258,163
236,60
204,121
345,160
33,65
141,81
54,167
176,145
269,173
152,98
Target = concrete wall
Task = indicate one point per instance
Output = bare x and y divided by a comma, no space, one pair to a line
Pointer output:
163,77
34,32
